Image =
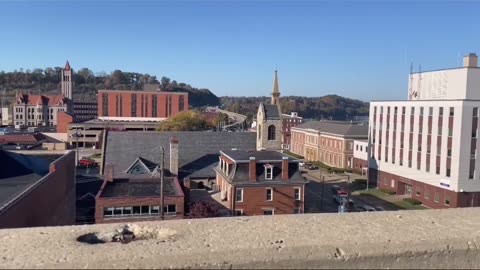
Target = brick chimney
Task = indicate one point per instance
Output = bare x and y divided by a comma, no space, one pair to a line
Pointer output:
285,168
470,60
109,172
252,170
174,156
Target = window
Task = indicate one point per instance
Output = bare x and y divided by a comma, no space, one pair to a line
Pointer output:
134,105
238,212
155,209
427,194
430,111
418,191
436,197
403,110
452,112
271,132
448,172
297,194
392,183
170,105
421,111
447,200
375,109
154,106
475,112
239,195
105,104
268,172
412,110
170,209
181,102
108,211
449,152
269,194
441,111
381,109
437,170
268,212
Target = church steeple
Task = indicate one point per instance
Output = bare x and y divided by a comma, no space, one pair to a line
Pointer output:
276,92
67,81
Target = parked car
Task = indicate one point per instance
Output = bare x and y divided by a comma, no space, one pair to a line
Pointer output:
87,162
312,167
301,163
366,208
379,208
336,190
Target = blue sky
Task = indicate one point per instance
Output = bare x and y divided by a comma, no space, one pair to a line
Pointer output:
357,49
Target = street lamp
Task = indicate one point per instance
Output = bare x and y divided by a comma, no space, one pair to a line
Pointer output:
76,135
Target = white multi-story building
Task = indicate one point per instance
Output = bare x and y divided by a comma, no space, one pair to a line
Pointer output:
426,147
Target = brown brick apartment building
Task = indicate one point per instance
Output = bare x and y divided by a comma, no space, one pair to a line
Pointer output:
328,142
260,183
140,104
37,190
136,197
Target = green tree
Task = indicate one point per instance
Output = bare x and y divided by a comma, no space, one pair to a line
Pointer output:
164,81
186,121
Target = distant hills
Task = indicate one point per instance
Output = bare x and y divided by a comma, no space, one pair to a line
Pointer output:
86,83
327,107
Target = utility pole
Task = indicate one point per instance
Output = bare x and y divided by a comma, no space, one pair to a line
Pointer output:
162,164
348,193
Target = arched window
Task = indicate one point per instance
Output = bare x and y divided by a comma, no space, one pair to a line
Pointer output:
259,130
271,132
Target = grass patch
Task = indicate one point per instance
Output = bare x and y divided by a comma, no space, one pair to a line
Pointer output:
375,192
412,201
292,154
330,169
408,206
96,155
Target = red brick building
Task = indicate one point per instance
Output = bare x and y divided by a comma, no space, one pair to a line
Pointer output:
260,183
122,105
37,190
136,196
289,121
63,119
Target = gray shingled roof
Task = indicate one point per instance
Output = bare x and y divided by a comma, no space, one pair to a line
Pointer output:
271,111
340,128
197,149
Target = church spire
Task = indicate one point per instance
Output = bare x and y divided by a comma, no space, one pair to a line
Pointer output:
276,92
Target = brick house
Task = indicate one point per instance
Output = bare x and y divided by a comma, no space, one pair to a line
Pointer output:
37,190
260,183
330,142
135,196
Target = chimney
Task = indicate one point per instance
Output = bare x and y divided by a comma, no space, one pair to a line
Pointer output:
470,60
252,170
174,156
109,172
285,168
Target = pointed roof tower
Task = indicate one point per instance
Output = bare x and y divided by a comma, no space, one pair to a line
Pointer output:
67,66
276,92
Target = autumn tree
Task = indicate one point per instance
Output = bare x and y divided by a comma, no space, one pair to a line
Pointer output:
186,121
203,209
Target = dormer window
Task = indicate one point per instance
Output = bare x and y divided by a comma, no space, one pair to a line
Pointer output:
268,172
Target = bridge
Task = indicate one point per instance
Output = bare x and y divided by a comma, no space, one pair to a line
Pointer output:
401,239
239,119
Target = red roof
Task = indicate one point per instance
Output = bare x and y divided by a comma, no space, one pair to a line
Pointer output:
67,66
22,139
41,100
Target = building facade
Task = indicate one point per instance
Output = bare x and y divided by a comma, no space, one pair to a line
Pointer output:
140,105
289,121
260,183
328,142
37,190
85,109
36,110
426,147
136,197
360,156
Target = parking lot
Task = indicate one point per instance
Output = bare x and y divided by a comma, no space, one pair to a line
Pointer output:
319,197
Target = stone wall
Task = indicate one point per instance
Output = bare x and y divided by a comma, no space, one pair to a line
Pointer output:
399,239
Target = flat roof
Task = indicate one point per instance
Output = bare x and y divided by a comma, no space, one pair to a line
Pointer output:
427,100
239,155
19,172
140,188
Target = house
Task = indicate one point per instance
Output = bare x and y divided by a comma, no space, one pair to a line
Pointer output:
260,183
190,156
37,190
330,142
136,196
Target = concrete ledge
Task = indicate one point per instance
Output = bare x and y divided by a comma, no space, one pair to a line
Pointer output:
401,239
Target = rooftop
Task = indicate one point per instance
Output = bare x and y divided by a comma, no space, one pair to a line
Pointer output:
338,128
197,149
140,188
19,172
271,111
239,155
